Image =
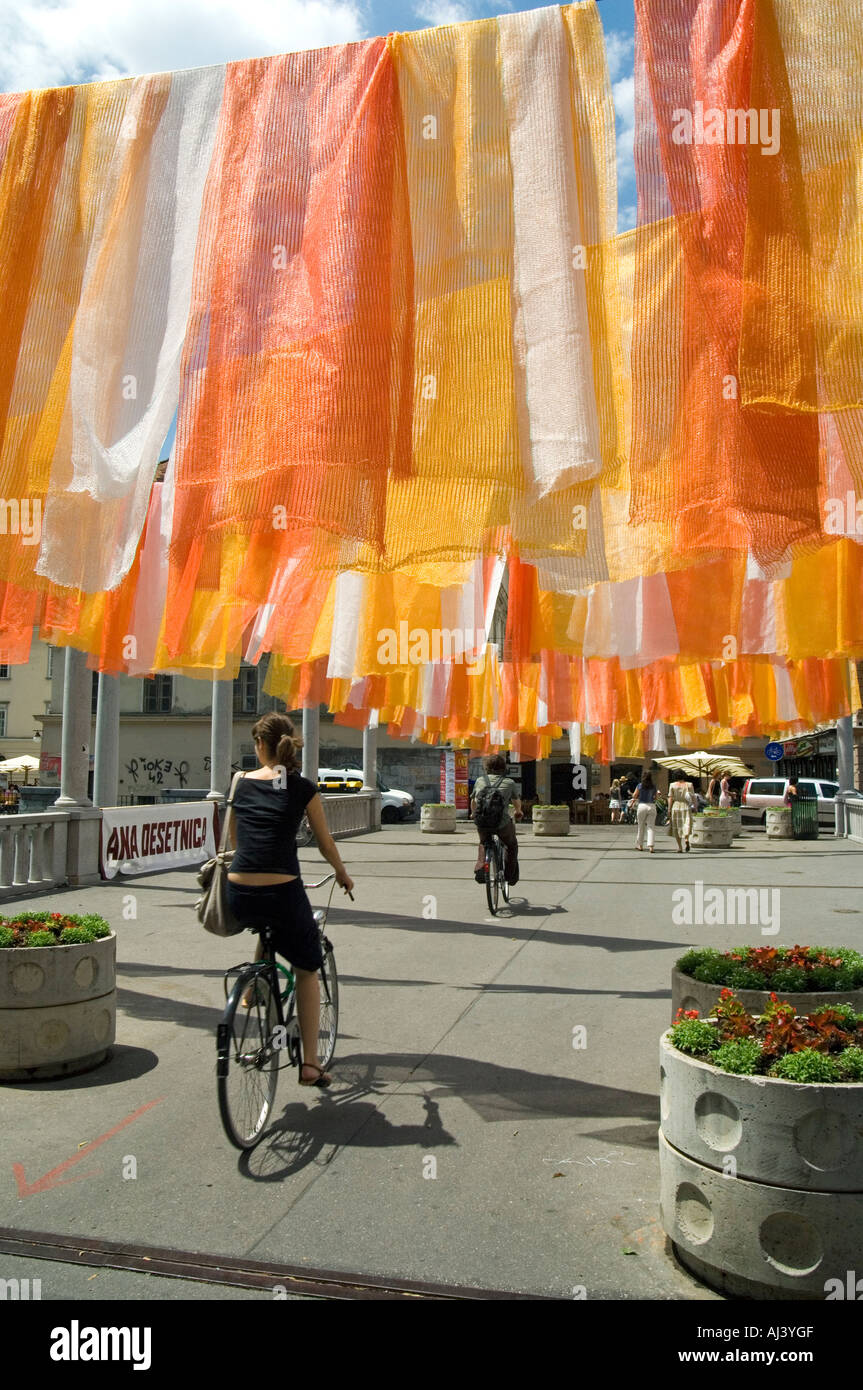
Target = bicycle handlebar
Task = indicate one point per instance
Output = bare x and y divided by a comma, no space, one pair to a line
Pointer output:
322,882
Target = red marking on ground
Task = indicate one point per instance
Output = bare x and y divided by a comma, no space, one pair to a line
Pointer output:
53,1179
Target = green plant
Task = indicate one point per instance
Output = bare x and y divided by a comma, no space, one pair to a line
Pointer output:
807,1065
695,1035
433,805
75,936
740,1055
850,1063
41,938
787,969
51,928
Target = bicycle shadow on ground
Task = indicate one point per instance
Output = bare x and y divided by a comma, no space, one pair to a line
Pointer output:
347,1116
303,1135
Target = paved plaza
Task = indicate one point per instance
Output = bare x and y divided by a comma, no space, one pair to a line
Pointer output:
456,1045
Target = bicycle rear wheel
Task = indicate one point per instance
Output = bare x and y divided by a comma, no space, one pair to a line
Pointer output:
504,886
329,1026
248,1063
492,882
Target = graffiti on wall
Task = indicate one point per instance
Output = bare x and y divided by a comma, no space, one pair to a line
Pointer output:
157,771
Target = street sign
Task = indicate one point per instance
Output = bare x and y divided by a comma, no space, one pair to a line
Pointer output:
774,752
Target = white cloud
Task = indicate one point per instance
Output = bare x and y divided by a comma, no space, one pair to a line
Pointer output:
619,49
624,106
435,12
51,44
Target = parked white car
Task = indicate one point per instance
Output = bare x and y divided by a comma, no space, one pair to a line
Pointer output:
395,805
762,793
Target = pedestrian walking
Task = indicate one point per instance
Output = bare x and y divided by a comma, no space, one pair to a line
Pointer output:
713,790
644,800
615,802
681,799
725,792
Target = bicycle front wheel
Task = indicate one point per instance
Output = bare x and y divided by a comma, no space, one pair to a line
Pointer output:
329,1026
248,1060
492,882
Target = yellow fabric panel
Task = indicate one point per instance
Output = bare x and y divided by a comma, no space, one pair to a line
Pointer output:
802,336
465,460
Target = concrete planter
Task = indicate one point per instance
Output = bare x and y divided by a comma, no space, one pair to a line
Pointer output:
735,815
762,1179
687,993
712,832
551,820
438,820
779,823
57,1009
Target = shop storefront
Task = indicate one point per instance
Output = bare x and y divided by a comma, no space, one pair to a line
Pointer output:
811,755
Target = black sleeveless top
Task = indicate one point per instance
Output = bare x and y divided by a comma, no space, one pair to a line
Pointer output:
266,819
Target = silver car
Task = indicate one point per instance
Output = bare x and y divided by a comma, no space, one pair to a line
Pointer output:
762,793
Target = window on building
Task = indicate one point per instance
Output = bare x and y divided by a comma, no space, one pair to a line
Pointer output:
158,695
94,694
4,672
50,671
246,691
4,719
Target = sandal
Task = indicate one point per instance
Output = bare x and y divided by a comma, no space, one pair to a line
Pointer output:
324,1079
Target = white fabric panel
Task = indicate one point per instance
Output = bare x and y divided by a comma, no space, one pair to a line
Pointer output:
757,618
575,743
786,706
347,610
553,360
656,741
125,369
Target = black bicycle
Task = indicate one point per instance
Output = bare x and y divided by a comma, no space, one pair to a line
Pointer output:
496,885
259,1034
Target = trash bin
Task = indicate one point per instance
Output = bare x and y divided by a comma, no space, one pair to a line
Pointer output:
804,817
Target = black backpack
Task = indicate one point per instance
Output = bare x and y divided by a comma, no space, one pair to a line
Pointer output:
490,806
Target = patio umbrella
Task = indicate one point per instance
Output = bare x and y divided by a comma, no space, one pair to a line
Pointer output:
706,764
21,764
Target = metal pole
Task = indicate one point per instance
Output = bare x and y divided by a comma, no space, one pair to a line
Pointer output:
311,743
370,759
75,734
106,763
221,733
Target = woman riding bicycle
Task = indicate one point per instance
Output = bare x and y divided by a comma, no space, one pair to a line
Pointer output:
264,883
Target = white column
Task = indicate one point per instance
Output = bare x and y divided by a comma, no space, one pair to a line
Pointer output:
370,759
221,734
75,733
311,743
106,762
844,766
845,753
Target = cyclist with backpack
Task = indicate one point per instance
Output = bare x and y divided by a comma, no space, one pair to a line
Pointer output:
493,795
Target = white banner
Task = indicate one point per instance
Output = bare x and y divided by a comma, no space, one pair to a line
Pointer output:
140,839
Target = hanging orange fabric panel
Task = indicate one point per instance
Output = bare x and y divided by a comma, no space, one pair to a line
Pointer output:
466,461
747,478
33,328
296,379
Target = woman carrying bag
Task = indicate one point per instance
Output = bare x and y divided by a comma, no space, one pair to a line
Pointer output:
264,883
